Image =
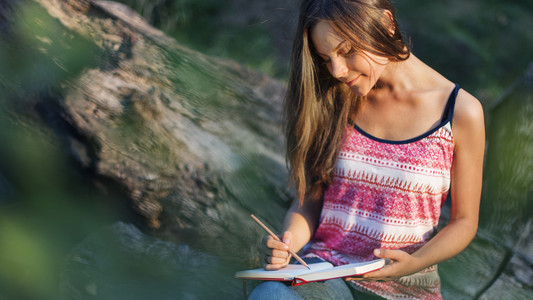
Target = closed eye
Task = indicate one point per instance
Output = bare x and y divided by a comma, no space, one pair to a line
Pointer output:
349,52
324,59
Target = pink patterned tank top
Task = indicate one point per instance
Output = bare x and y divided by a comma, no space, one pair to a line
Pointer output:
387,194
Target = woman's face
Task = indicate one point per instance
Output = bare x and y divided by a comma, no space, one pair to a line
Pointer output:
360,70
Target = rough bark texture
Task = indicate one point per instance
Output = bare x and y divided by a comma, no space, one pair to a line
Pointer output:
195,144
178,131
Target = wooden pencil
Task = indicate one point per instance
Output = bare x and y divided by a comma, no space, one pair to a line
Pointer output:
277,239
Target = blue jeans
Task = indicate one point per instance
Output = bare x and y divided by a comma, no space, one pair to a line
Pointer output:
330,289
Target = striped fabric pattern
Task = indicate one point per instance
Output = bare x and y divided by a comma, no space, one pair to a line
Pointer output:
386,195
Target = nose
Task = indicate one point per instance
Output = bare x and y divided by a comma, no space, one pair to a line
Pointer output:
338,68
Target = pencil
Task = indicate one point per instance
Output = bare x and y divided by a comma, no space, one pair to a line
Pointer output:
277,239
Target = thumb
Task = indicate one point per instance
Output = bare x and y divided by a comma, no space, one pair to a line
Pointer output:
390,254
287,238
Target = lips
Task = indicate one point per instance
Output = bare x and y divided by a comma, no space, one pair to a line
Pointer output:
352,82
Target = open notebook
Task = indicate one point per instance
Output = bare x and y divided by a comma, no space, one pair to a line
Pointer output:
299,274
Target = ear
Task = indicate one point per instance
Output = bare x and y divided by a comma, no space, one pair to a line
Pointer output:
388,21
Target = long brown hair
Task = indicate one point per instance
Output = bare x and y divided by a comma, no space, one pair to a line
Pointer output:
317,106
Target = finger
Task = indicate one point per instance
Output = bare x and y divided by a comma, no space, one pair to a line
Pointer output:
277,260
276,263
271,267
266,240
389,254
280,254
264,249
377,274
272,243
354,279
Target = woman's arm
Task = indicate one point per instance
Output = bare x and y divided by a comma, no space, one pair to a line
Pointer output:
299,226
466,177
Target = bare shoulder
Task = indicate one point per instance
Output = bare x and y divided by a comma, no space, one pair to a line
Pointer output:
468,109
468,117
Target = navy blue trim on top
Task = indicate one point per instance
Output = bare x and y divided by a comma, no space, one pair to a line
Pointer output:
450,106
446,117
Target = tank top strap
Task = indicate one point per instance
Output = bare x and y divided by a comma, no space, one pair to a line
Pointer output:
450,105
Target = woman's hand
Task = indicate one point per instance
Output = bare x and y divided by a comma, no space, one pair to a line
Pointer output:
275,254
399,264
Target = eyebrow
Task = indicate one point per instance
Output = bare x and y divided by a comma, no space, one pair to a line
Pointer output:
334,50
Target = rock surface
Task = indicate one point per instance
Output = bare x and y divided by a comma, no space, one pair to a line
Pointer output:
192,140
506,217
120,262
499,262
195,144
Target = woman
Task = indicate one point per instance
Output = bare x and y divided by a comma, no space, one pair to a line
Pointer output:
376,141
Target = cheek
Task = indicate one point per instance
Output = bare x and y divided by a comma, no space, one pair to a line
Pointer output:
360,65
367,67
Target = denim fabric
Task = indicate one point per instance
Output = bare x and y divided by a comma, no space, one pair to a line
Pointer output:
330,289
272,290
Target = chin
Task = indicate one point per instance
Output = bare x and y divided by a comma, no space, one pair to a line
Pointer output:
359,91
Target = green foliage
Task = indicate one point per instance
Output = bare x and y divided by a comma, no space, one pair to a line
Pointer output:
49,212
206,26
483,45
508,189
38,48
44,207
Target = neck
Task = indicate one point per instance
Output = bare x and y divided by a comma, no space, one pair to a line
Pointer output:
402,75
